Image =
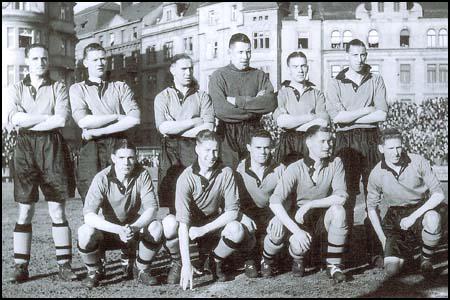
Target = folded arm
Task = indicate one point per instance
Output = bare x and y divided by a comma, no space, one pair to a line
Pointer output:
25,120
375,117
94,220
289,121
97,121
145,219
192,133
178,127
352,115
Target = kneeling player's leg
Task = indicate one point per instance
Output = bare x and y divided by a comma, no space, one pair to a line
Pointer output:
149,245
22,234
88,244
274,240
61,232
336,226
231,237
170,226
431,233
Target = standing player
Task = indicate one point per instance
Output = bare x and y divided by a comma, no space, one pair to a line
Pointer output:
407,185
240,96
356,102
122,191
256,178
207,207
39,106
300,106
318,183
104,110
181,111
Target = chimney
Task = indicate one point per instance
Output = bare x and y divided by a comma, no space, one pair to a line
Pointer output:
296,11
124,5
310,12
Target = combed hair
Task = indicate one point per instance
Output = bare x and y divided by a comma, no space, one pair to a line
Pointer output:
35,45
207,135
238,37
315,129
295,54
123,144
355,42
261,133
389,133
179,56
92,47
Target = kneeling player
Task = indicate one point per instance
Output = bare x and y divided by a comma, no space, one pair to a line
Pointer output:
257,177
207,207
121,191
318,182
404,182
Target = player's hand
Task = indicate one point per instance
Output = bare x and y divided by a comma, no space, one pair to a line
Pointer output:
132,230
276,227
231,100
299,216
304,238
369,109
124,234
261,93
187,276
196,232
407,222
249,223
86,135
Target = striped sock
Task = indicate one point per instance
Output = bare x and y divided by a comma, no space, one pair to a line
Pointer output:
147,250
22,243
336,244
91,258
63,242
271,248
173,247
225,248
430,242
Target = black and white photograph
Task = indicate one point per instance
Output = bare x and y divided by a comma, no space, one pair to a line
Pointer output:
224,149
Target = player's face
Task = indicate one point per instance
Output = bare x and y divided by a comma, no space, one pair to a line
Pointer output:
298,69
124,161
182,72
392,150
37,61
320,145
208,153
259,149
357,56
240,54
95,62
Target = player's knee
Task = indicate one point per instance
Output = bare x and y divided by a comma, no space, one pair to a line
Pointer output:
170,226
26,213
234,231
86,236
432,221
57,213
294,247
155,229
338,214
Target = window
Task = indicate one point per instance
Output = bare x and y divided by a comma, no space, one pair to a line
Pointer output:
100,40
168,50
443,38
254,19
112,37
25,37
375,69
260,18
335,70
347,38
22,5
373,39
10,75
136,56
212,17
135,35
10,37
261,40
405,73
151,82
431,38
168,15
443,73
123,36
188,46
37,36
113,62
83,25
64,46
404,38
151,54
62,15
396,6
215,49
303,43
381,6
335,40
431,73
266,18
23,71
233,13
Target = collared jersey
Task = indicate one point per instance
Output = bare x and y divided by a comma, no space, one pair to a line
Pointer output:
171,105
198,197
345,95
291,102
107,98
49,99
120,204
415,182
298,179
250,186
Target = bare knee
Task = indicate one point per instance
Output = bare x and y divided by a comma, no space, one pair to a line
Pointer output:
170,227
432,221
57,213
26,213
234,231
155,229
294,247
86,237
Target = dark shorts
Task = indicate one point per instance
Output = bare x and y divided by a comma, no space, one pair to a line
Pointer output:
262,217
177,153
291,147
314,222
403,243
358,149
41,159
95,155
208,242
235,137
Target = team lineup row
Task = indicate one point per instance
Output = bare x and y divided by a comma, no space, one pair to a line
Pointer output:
224,186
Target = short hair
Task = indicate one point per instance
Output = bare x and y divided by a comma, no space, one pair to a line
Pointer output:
178,57
261,133
294,55
207,135
92,47
123,144
313,130
238,37
389,133
35,45
355,42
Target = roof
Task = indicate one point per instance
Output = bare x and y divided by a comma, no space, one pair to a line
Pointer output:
435,9
325,10
103,5
248,6
137,11
95,17
192,8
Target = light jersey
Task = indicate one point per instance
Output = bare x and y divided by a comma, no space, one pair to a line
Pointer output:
298,179
415,182
119,204
198,198
170,105
113,97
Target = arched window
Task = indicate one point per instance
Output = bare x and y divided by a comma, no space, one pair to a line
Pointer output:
335,40
404,38
443,38
347,38
373,39
431,38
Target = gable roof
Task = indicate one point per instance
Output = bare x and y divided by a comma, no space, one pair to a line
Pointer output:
137,11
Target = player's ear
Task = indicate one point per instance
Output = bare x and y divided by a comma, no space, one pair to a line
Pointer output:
113,157
380,148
